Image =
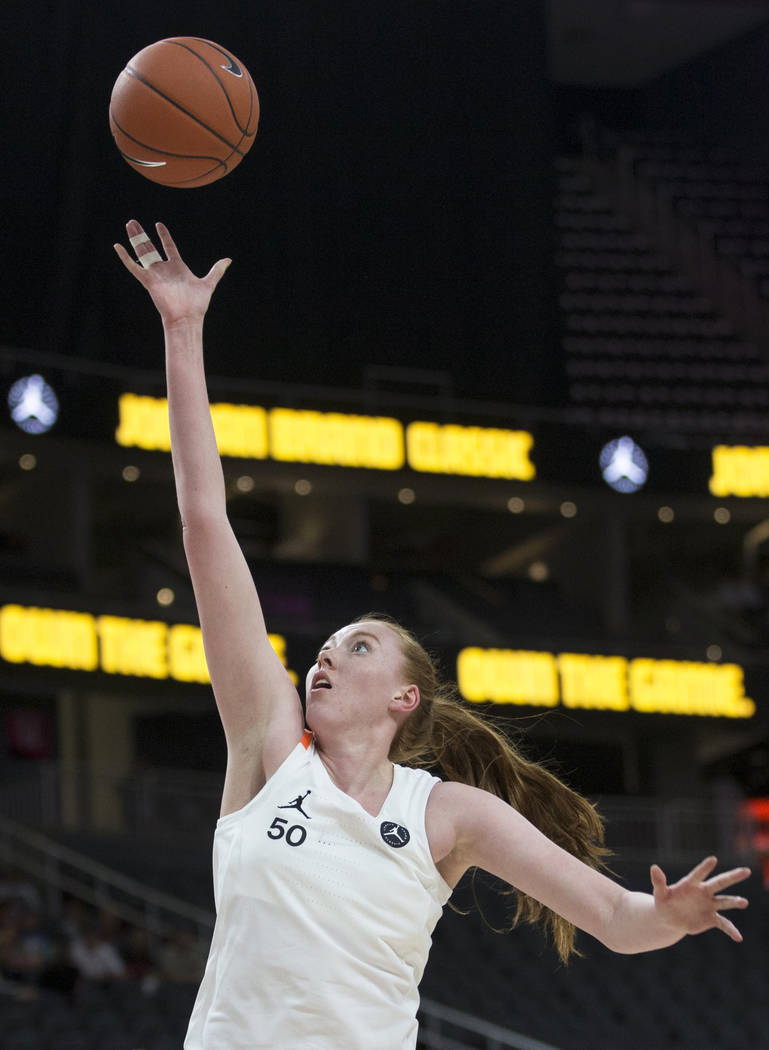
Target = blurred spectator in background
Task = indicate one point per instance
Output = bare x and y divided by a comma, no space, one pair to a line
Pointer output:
25,945
76,945
181,958
96,958
136,953
60,974
15,886
72,916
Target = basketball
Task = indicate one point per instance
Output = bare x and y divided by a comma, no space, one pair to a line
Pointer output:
184,112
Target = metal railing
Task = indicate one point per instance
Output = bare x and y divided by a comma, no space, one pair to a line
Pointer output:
61,796
444,1028
182,806
62,871
677,831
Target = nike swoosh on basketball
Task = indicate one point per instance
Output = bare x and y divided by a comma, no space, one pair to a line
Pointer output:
145,163
231,66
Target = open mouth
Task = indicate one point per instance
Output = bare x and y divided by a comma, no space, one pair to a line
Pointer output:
320,683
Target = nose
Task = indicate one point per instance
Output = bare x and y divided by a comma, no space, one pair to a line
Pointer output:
325,658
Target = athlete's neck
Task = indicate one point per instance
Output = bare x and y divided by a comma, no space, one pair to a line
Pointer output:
359,771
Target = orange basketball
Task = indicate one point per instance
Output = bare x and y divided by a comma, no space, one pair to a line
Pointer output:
184,112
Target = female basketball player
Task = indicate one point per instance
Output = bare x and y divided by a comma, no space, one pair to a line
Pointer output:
334,856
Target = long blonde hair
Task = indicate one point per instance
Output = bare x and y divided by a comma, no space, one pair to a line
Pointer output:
443,732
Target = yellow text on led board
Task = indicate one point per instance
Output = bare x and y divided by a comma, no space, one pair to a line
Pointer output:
611,683
689,687
339,439
336,439
120,645
241,430
133,647
740,470
49,638
508,676
598,682
485,452
143,423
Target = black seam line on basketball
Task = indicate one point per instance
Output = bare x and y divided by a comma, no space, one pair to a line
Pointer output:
226,159
196,178
214,74
237,149
186,112
164,152
252,95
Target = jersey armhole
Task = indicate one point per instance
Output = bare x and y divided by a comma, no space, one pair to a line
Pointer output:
305,740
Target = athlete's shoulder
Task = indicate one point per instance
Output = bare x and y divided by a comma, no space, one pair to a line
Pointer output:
450,802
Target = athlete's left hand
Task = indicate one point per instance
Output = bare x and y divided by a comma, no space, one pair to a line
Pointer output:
695,902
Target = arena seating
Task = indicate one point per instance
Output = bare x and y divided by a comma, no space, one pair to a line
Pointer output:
724,198
641,343
702,993
118,1017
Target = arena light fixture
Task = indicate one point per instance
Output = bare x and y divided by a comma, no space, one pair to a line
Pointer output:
33,404
624,465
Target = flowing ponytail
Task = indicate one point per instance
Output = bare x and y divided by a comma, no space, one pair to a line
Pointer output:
444,732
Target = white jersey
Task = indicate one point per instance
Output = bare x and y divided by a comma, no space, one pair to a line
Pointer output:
324,916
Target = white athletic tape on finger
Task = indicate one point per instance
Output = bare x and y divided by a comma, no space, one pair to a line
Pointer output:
148,256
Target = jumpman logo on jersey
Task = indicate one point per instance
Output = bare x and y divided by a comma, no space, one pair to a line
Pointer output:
297,804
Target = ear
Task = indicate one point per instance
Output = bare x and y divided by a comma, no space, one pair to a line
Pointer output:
407,700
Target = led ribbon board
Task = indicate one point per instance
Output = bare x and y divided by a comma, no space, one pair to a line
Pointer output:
603,683
339,439
740,470
79,641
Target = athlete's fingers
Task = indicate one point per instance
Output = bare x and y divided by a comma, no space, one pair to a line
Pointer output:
130,264
217,271
727,878
659,878
146,252
133,227
703,869
169,245
726,903
729,929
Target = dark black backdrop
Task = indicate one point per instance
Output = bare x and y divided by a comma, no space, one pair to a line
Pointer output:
719,97
395,208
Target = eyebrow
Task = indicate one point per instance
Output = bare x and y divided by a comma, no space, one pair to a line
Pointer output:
354,634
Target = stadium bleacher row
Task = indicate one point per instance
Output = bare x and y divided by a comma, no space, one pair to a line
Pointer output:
703,992
638,335
725,199
119,1016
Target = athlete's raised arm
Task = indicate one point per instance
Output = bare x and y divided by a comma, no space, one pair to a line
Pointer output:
259,707
468,828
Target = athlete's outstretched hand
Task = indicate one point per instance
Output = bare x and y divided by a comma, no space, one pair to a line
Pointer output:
695,902
179,295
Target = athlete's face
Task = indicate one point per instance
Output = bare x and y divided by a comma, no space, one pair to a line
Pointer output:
358,671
